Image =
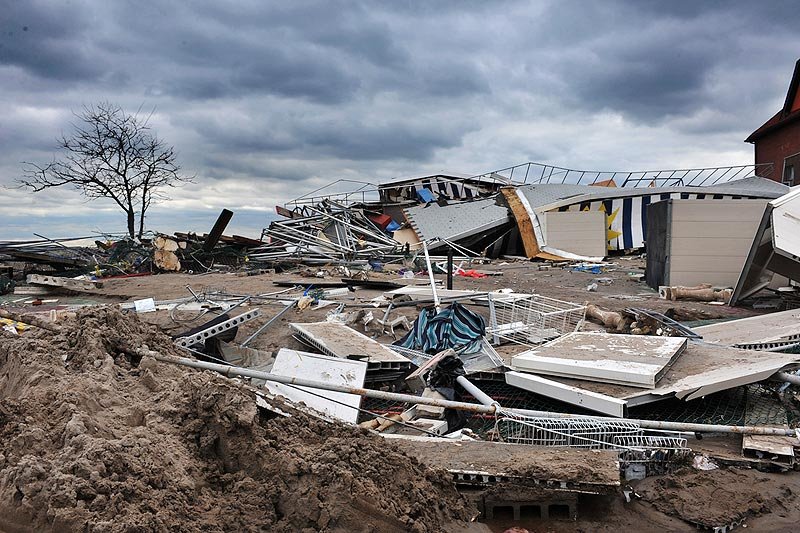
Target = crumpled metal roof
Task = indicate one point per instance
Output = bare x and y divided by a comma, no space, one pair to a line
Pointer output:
456,221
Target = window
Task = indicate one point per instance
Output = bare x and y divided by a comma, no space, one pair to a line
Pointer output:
791,169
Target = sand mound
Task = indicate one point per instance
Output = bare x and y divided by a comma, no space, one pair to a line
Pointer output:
92,441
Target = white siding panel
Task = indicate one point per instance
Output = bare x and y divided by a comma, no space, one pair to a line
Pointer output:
578,232
710,239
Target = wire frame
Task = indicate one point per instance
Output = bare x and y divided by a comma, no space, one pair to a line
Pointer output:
532,319
564,432
657,453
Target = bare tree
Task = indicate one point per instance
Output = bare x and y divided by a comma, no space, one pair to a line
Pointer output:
111,154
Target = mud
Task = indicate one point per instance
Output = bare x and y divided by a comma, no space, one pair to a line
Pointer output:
719,498
92,441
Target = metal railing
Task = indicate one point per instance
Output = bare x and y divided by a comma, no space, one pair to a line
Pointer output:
363,192
534,173
537,173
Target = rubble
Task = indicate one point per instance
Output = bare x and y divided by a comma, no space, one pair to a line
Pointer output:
374,380
87,448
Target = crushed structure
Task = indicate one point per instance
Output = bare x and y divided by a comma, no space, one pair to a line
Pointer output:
410,356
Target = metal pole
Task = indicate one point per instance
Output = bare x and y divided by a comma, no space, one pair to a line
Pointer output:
194,294
449,268
430,275
788,378
476,393
668,426
229,371
493,409
249,339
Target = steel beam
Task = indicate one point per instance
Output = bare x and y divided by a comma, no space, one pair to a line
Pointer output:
213,331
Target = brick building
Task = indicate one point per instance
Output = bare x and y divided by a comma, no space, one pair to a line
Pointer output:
777,141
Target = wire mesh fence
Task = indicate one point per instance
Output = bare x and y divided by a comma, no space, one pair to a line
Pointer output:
571,433
753,404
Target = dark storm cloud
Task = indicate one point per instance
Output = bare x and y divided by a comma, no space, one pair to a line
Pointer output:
369,141
276,93
49,40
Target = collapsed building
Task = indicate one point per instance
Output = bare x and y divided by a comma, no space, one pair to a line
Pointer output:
499,397
529,210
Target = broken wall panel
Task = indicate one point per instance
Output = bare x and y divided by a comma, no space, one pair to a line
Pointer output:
755,332
702,369
323,369
592,401
579,232
630,360
775,249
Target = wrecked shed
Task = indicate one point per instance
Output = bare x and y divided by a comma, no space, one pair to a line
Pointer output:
691,242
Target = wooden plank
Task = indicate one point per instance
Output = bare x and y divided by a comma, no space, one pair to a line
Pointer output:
524,223
45,258
34,291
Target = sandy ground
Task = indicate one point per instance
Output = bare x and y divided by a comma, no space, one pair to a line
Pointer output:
83,444
521,276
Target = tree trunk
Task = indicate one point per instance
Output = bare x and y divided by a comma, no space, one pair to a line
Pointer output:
141,223
131,224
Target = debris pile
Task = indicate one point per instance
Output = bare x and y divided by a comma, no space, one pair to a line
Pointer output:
90,438
365,392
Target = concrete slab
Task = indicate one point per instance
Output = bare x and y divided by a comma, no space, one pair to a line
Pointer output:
633,360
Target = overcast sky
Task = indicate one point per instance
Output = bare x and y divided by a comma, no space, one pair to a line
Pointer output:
267,100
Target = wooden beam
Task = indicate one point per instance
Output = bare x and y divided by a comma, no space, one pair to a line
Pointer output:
524,222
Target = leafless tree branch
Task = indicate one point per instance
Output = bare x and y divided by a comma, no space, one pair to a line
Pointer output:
111,154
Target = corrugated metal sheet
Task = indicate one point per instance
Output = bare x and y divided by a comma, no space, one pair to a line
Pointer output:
456,221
